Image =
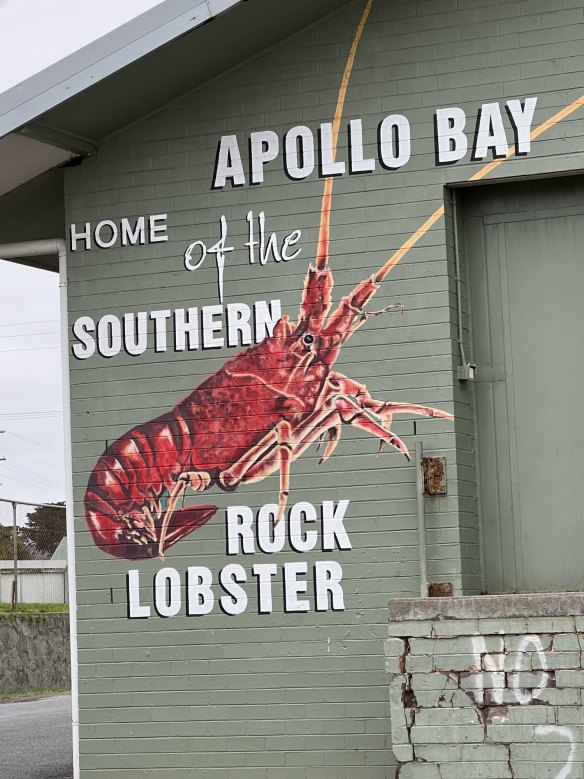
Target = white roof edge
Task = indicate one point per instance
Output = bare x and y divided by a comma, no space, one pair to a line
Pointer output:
170,19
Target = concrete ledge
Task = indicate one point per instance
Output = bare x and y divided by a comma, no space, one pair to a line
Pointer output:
557,604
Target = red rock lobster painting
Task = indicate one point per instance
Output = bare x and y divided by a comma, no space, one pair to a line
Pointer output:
252,418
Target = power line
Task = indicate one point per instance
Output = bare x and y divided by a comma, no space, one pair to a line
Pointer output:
36,443
30,335
31,415
42,483
33,322
32,460
23,472
30,349
28,482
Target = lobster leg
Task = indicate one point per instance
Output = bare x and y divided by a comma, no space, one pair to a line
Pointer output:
273,451
354,414
342,409
177,491
199,480
280,446
334,435
384,409
348,402
285,451
345,402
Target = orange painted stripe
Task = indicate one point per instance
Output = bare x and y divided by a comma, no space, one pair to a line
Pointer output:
569,109
480,174
404,248
325,211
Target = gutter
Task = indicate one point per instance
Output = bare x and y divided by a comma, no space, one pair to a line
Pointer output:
11,251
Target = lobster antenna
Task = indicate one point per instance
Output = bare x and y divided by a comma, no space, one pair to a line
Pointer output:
484,171
325,211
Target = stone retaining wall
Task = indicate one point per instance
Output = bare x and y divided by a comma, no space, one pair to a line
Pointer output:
35,651
488,687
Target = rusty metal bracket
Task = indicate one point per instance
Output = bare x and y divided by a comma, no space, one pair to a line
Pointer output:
434,473
440,590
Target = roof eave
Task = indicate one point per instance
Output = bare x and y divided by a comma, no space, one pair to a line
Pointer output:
26,101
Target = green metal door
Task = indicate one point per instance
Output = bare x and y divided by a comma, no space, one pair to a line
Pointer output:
525,256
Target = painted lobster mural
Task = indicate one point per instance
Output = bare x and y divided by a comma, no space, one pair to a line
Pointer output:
252,418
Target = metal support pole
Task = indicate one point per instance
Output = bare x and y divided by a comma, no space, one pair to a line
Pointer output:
421,520
15,553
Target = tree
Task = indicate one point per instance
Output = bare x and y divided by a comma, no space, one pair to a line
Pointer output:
7,545
44,529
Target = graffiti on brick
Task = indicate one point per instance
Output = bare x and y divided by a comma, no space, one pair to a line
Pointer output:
508,671
467,693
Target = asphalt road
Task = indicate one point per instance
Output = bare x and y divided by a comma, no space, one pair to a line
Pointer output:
35,739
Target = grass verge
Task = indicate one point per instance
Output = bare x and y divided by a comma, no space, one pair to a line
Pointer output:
31,695
28,608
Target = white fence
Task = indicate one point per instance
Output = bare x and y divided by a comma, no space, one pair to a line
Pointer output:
33,553
39,581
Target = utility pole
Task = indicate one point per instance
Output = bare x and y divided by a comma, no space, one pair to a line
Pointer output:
14,583
15,553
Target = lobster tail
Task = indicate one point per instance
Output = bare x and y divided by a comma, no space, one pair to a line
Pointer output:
126,536
135,535
127,498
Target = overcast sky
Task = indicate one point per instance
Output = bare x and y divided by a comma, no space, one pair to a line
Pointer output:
31,408
35,34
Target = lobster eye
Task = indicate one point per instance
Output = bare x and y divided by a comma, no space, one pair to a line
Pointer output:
308,339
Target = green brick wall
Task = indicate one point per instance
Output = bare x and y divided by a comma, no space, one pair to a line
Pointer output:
296,694
497,696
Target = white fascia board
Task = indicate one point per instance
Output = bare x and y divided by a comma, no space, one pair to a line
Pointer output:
170,19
